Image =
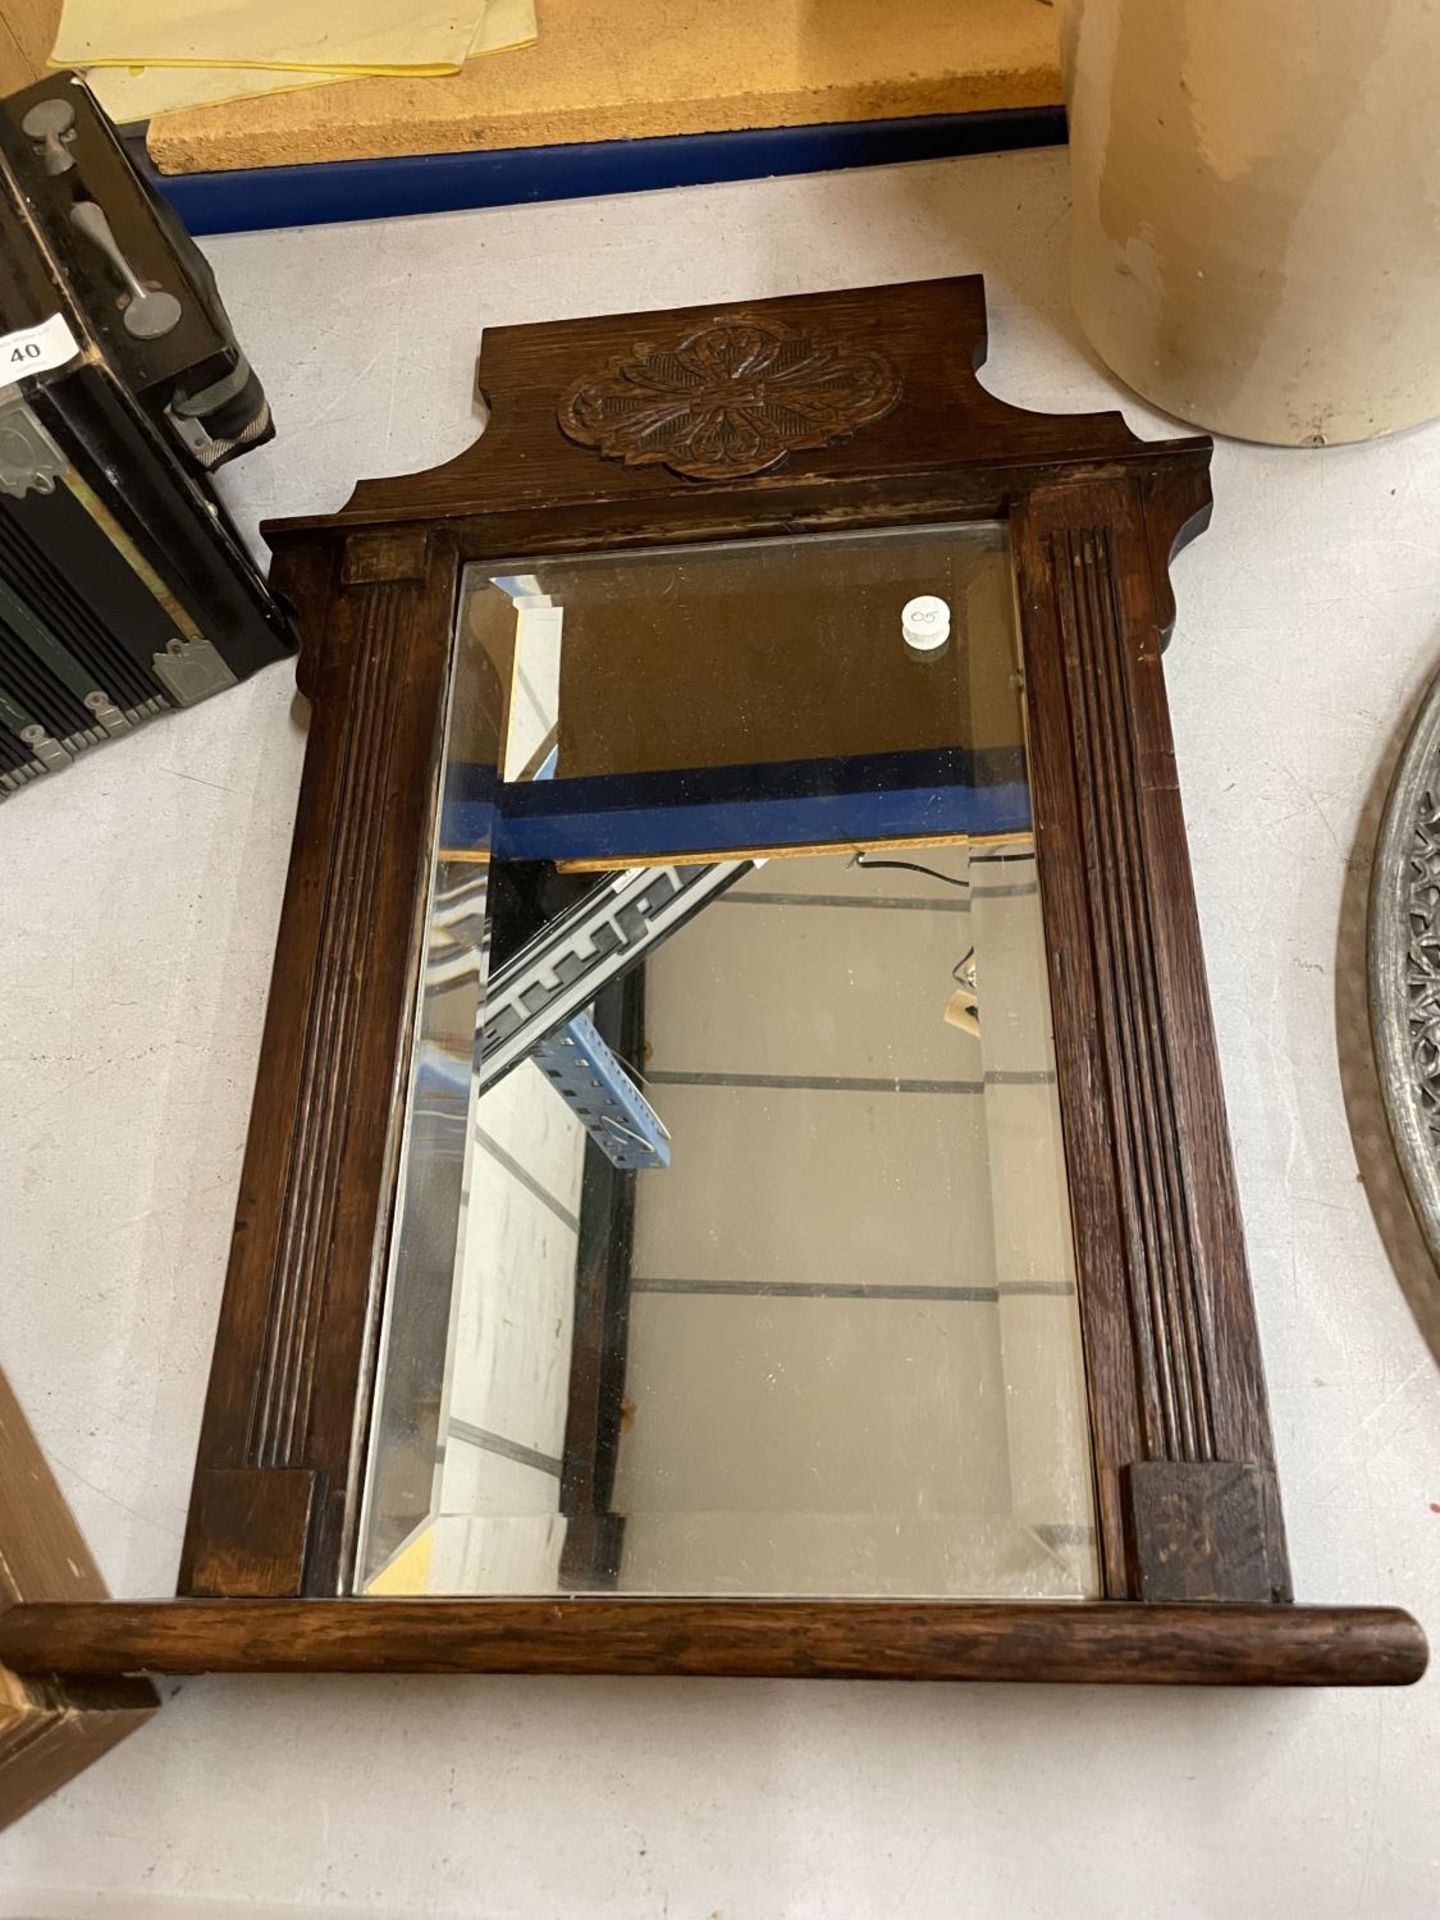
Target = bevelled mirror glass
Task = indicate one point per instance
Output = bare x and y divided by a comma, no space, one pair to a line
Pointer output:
732,1250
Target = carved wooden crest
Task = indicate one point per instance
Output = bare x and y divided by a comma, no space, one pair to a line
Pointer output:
732,398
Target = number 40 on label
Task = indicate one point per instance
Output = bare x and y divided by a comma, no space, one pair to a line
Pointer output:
36,349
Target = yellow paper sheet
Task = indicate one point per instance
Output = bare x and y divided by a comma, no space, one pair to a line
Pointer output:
139,93
331,36
409,1571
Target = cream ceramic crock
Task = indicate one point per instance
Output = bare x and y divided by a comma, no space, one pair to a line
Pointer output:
1257,208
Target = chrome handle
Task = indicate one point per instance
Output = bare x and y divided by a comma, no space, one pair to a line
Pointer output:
150,311
48,124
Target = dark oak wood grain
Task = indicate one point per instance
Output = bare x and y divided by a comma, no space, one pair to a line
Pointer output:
290,1379
252,1526
1171,1343
50,1729
1202,1530
1081,1642
931,333
893,429
594,1533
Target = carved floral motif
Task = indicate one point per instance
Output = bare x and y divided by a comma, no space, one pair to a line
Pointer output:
729,399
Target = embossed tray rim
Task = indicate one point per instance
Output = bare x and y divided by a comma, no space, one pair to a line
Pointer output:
1411,800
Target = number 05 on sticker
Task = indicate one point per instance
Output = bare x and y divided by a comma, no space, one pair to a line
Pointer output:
36,349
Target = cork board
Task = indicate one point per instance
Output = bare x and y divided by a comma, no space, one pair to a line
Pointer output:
628,69
27,32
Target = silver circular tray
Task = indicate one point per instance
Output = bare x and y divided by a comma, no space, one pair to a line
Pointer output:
1404,964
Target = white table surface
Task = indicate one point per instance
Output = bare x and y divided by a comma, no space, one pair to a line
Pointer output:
141,892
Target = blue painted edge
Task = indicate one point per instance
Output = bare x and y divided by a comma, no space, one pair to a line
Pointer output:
830,819
944,766
329,190
856,797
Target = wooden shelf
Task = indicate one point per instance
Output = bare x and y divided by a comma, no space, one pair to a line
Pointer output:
1080,1642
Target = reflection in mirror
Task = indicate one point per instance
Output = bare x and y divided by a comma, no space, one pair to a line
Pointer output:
732,1249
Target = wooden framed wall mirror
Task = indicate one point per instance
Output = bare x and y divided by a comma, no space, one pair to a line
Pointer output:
738,1179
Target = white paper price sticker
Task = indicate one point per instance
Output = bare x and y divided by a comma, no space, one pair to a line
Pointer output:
925,622
36,349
